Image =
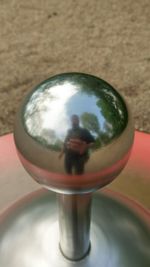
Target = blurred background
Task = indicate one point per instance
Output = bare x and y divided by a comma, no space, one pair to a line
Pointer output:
109,39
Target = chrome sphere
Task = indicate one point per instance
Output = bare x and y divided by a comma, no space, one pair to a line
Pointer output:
73,133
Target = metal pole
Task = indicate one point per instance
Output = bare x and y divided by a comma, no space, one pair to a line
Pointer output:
74,225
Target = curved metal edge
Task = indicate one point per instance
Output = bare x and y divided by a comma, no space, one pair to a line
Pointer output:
135,206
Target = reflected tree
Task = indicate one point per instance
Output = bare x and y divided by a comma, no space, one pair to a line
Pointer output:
114,117
90,122
107,96
49,139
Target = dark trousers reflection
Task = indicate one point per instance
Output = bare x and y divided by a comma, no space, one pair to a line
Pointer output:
74,164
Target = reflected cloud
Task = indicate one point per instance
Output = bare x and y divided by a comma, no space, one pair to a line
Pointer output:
49,107
42,114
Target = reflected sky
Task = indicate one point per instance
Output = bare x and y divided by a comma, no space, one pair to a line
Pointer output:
49,107
46,112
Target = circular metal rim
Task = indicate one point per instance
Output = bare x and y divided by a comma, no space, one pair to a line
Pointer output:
131,203
103,250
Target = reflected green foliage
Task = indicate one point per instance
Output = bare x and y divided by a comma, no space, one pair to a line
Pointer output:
48,108
55,146
90,122
114,118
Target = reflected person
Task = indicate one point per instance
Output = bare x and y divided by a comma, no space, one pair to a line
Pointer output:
76,147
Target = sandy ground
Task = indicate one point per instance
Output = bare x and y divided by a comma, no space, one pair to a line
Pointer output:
109,39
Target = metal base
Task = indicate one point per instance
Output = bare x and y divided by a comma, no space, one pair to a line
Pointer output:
29,234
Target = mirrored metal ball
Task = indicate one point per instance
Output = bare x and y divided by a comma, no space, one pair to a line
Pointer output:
74,133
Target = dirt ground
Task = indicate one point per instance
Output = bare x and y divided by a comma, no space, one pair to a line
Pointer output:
109,39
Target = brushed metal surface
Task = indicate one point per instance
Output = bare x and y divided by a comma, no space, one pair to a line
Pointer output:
29,235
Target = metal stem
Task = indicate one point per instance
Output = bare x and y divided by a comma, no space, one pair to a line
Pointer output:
74,225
